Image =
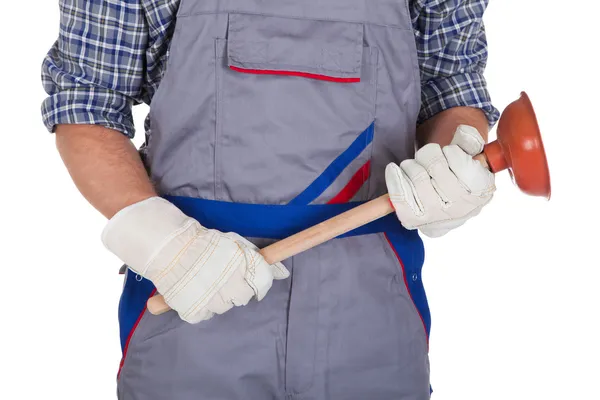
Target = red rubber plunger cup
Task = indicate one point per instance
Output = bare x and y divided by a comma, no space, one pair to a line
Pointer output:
519,148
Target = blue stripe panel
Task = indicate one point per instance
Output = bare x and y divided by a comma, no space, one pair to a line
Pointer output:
273,221
411,251
334,169
132,303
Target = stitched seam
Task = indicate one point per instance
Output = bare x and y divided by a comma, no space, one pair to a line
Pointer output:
356,47
288,66
198,304
177,257
165,243
396,256
236,11
130,336
338,78
197,266
219,110
253,262
375,85
454,218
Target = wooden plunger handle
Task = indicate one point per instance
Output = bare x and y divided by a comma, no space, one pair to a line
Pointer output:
309,238
315,235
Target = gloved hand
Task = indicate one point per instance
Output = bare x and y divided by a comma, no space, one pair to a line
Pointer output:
442,187
200,272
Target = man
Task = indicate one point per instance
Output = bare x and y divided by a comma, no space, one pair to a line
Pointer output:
267,117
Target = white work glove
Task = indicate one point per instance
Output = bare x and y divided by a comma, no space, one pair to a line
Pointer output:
200,272
442,187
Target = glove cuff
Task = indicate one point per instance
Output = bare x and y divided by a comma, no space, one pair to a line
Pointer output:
139,232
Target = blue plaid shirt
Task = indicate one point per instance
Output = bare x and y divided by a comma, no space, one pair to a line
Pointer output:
111,55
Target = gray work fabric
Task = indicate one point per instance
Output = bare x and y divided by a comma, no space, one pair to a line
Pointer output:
343,326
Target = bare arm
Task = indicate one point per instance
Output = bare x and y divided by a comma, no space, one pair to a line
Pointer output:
440,128
452,54
104,165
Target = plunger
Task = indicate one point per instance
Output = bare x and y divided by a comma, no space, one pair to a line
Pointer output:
519,149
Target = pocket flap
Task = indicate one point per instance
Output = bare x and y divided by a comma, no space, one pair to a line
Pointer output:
298,47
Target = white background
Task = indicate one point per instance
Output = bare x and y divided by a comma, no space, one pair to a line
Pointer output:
515,294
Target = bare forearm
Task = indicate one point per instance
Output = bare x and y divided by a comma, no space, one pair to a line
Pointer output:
440,128
104,165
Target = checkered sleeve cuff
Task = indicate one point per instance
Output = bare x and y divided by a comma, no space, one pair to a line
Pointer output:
89,105
461,90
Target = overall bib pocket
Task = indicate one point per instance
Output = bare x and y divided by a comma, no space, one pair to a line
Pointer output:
291,96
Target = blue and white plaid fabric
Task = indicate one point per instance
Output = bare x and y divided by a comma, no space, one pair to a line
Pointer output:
452,50
111,55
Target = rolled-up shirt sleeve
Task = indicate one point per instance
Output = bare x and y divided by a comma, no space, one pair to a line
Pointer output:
452,51
94,72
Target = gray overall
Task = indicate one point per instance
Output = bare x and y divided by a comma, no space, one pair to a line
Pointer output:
298,104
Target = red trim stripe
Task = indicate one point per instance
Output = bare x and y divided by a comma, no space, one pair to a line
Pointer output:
406,284
131,335
294,73
352,188
391,203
